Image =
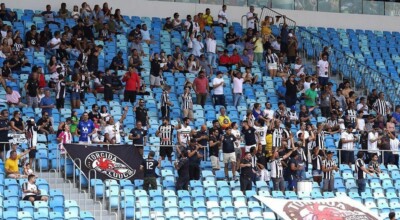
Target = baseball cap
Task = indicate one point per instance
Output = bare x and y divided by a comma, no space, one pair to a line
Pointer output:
293,108
329,152
219,72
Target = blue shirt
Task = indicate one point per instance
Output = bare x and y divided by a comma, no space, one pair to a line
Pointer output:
46,101
396,116
282,90
245,60
85,128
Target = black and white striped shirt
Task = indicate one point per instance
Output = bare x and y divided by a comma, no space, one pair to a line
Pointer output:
276,168
187,101
60,90
381,107
164,99
273,58
18,47
328,164
277,136
166,133
352,115
316,162
331,123
320,140
360,173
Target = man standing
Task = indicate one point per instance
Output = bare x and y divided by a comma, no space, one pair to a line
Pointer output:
246,173
218,87
237,88
252,19
222,17
94,114
47,104
277,169
166,103
348,139
31,192
311,97
141,114
328,166
201,88
132,80
324,71
182,166
164,132
373,139
202,138
86,129
138,137
194,160
112,131
31,87
148,167
215,145
249,134
4,127
361,171
228,150
380,105
183,133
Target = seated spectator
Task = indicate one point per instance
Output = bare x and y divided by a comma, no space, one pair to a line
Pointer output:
105,33
116,83
248,77
332,124
293,117
137,45
232,39
180,65
49,16
193,64
7,15
117,62
6,71
145,34
14,98
31,192
235,59
63,11
176,22
45,125
11,165
223,119
374,166
75,13
136,34
168,26
281,92
28,170
135,60
16,123
245,60
224,60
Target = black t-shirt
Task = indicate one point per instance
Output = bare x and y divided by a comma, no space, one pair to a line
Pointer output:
304,115
202,142
33,86
228,144
149,167
290,171
3,133
246,171
135,34
214,151
230,36
155,67
92,115
249,136
194,159
18,124
291,89
142,133
42,121
220,132
6,72
141,115
183,167
33,40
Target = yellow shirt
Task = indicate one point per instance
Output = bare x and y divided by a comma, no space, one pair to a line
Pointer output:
12,165
224,122
259,47
209,20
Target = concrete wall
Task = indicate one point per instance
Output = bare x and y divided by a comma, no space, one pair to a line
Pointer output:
166,9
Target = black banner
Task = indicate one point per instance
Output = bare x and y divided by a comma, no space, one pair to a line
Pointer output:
109,161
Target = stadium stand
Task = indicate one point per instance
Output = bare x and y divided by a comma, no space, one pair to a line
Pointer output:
101,74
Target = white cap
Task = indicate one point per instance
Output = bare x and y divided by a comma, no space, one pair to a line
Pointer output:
290,35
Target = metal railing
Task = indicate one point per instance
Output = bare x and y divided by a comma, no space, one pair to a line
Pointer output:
366,151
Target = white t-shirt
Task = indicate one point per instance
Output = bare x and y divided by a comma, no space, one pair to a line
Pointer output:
223,15
269,113
394,145
211,45
299,67
184,134
307,85
361,106
220,89
30,187
236,133
372,146
262,133
348,137
250,23
13,97
113,131
237,85
196,48
323,68
55,41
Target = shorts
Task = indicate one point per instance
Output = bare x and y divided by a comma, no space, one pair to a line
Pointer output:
75,96
4,147
272,66
215,162
155,80
229,157
188,113
247,148
37,197
238,153
166,151
32,154
317,172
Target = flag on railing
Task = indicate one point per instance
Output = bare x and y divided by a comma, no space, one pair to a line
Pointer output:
109,161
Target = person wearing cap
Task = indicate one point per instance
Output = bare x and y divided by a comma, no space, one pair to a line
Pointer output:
328,168
117,62
229,155
324,71
148,167
348,140
218,87
194,159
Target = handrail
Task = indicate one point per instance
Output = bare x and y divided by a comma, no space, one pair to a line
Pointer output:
272,13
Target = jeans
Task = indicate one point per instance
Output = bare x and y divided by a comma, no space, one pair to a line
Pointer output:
212,59
219,100
361,185
236,99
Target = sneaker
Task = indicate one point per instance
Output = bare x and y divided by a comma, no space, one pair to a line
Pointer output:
226,179
235,178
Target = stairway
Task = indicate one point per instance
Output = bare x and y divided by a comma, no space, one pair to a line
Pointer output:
71,192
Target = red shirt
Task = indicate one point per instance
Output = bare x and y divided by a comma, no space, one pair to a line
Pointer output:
42,81
132,81
235,59
224,59
201,85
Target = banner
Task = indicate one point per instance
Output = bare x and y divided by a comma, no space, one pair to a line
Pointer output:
339,208
110,161
17,138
